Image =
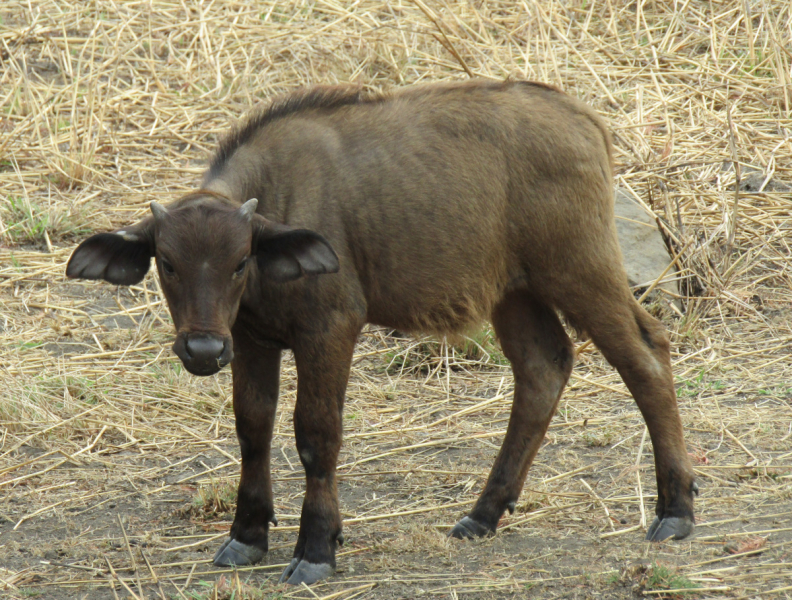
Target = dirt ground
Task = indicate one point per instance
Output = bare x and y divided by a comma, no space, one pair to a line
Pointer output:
118,470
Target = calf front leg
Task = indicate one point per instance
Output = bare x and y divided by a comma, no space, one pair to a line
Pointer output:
322,374
256,371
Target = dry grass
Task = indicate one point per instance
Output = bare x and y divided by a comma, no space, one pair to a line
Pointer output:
115,464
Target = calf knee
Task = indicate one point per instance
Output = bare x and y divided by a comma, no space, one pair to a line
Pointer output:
653,334
564,359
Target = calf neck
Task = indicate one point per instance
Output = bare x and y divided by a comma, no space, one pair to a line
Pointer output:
426,210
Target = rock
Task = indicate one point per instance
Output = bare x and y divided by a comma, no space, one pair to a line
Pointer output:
645,252
754,180
757,181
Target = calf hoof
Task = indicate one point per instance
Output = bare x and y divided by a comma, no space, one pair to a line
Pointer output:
669,527
234,553
468,529
301,571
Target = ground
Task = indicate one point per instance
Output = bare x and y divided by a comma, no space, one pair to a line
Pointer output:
118,469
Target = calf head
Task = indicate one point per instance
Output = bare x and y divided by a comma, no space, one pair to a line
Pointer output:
206,252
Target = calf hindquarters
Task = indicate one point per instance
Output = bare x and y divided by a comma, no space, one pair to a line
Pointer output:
592,291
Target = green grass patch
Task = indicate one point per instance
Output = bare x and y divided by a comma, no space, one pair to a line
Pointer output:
660,577
428,355
213,500
692,387
27,221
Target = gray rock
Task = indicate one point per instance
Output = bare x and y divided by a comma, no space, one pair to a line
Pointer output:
645,252
757,181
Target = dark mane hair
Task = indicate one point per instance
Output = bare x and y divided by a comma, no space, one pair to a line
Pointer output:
323,96
330,97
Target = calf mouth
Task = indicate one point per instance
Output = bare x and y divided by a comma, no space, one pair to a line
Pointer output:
203,353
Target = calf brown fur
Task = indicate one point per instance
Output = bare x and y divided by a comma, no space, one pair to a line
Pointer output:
425,210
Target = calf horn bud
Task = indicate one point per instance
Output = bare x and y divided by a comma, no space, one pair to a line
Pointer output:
159,211
248,208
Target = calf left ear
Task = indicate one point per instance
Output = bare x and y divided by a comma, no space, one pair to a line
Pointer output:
122,257
285,254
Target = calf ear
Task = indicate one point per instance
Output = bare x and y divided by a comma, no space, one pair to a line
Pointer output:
285,254
122,257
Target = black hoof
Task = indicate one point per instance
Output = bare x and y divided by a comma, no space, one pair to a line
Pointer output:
234,553
301,571
468,529
670,527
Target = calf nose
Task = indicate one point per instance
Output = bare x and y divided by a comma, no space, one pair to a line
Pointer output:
203,353
204,348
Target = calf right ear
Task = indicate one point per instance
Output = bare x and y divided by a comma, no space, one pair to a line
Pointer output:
122,257
285,253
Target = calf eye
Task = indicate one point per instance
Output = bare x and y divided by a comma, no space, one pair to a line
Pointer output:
167,268
241,267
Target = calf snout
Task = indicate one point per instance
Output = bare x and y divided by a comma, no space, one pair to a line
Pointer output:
203,353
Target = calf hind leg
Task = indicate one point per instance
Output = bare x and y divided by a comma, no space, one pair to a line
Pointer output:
637,346
541,356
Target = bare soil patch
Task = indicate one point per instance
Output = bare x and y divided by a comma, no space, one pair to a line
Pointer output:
118,469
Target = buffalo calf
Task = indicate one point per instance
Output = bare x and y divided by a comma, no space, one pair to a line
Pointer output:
426,210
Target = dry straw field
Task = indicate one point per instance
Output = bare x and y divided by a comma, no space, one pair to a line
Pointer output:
118,469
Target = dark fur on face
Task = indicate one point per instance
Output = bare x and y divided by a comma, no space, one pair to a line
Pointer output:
203,247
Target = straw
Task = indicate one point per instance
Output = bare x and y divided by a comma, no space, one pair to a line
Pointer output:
105,106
